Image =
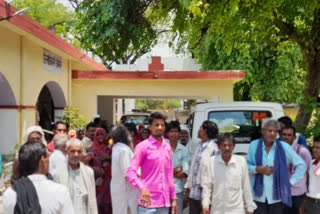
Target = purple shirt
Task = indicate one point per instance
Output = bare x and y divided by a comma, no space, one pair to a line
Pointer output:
300,188
155,161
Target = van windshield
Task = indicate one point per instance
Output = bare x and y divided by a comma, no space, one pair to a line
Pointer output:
136,119
244,125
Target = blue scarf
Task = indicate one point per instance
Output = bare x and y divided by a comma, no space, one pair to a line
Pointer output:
281,184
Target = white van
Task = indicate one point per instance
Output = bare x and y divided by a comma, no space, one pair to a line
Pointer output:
242,119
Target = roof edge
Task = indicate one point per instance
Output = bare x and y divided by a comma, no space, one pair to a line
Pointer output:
125,75
34,28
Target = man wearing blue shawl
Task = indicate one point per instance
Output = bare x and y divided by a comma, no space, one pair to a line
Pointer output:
268,159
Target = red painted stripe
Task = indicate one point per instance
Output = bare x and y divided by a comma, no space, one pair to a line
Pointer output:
209,75
30,26
24,107
17,107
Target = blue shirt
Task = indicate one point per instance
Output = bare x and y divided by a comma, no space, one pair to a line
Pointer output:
267,160
302,140
180,159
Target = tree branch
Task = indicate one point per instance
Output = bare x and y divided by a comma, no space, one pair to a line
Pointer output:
284,28
315,30
74,3
204,30
163,31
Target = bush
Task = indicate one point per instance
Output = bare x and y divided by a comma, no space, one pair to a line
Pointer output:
74,118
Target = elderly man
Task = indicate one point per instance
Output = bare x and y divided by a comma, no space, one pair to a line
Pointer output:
298,191
32,134
268,160
33,192
225,181
58,157
79,178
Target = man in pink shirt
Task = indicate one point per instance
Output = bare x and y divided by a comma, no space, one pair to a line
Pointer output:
153,156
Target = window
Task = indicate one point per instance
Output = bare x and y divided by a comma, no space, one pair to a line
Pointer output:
244,125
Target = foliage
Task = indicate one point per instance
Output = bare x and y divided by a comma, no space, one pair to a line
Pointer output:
313,129
172,104
115,31
276,42
274,74
267,38
74,118
49,13
157,104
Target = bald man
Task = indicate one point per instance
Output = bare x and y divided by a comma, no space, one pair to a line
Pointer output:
79,178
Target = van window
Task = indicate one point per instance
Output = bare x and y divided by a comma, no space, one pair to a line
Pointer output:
136,119
244,125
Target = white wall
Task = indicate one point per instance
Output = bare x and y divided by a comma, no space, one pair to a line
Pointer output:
106,108
129,105
8,130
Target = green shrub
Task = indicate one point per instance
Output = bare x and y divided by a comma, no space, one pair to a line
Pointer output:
74,118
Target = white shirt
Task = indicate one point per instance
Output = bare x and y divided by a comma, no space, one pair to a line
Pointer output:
78,191
57,158
210,150
53,198
228,186
121,190
314,181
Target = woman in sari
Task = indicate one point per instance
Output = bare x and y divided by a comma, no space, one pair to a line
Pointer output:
101,164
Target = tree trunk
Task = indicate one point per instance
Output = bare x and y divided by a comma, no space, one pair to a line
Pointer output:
311,90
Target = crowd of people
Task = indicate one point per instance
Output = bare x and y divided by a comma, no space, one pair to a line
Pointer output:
158,170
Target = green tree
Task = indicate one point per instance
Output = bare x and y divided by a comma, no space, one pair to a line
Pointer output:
173,104
273,40
238,23
115,31
273,73
153,104
147,104
49,13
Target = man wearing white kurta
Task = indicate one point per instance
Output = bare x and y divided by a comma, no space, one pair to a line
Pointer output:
225,181
124,196
58,157
79,179
53,198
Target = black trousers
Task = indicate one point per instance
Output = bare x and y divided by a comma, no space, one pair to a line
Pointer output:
296,204
265,208
195,207
312,207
